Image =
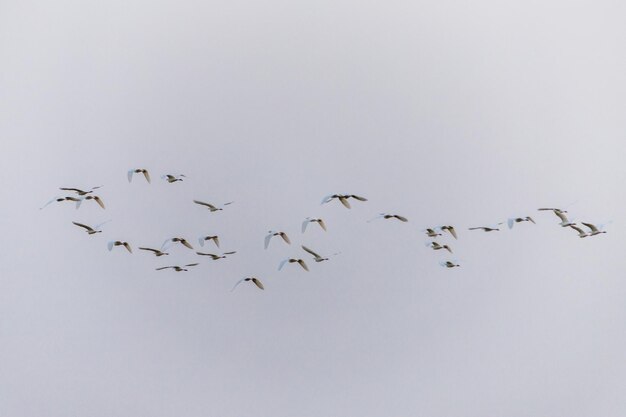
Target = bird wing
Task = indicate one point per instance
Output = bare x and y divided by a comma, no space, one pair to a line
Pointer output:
530,219
561,216
99,201
267,239
322,224
327,199
110,245
310,251
202,203
452,232
194,264
147,175
217,241
448,248
230,253
303,265
96,227
129,174
282,264
358,197
401,218
580,231
83,226
71,189
511,222
285,237
237,284
187,244
344,201
304,225
165,243
127,246
164,267
258,283
593,228
201,241
150,249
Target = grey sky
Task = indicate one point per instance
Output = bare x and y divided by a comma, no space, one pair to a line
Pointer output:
445,112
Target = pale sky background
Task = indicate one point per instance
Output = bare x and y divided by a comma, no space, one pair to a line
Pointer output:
445,112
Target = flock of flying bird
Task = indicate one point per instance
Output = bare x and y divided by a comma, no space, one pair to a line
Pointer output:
433,233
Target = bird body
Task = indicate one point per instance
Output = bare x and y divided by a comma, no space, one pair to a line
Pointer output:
95,198
485,229
449,264
581,232
170,178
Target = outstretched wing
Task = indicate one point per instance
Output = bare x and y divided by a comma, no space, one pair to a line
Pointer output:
322,224
83,226
282,264
303,265
129,174
285,237
267,239
304,225
310,251
147,175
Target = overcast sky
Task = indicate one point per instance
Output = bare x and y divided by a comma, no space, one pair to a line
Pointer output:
446,112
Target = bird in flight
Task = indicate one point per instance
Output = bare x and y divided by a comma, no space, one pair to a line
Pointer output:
91,197
79,191
180,240
389,216
485,228
177,268
254,280
114,243
91,230
437,246
308,220
317,257
511,222
594,230
173,178
581,232
431,233
272,233
291,261
203,239
59,199
449,264
449,229
155,251
343,198
211,207
216,257
143,171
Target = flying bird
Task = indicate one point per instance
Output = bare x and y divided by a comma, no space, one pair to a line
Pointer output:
449,264
143,171
59,199
203,239
317,257
91,230
511,222
211,207
91,197
389,216
180,240
291,261
155,251
177,268
308,220
79,191
437,246
343,198
581,232
254,280
173,178
114,243
216,257
594,230
272,233
485,228
449,229
431,233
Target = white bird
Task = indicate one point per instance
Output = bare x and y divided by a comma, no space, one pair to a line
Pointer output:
343,198
216,257
449,264
317,257
594,230
437,246
173,178
291,261
486,228
211,207
308,220
553,209
114,243
180,240
431,232
581,232
203,239
389,216
79,191
59,199
177,268
155,251
564,220
143,171
91,230
449,229
91,197
271,234
254,280
511,221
